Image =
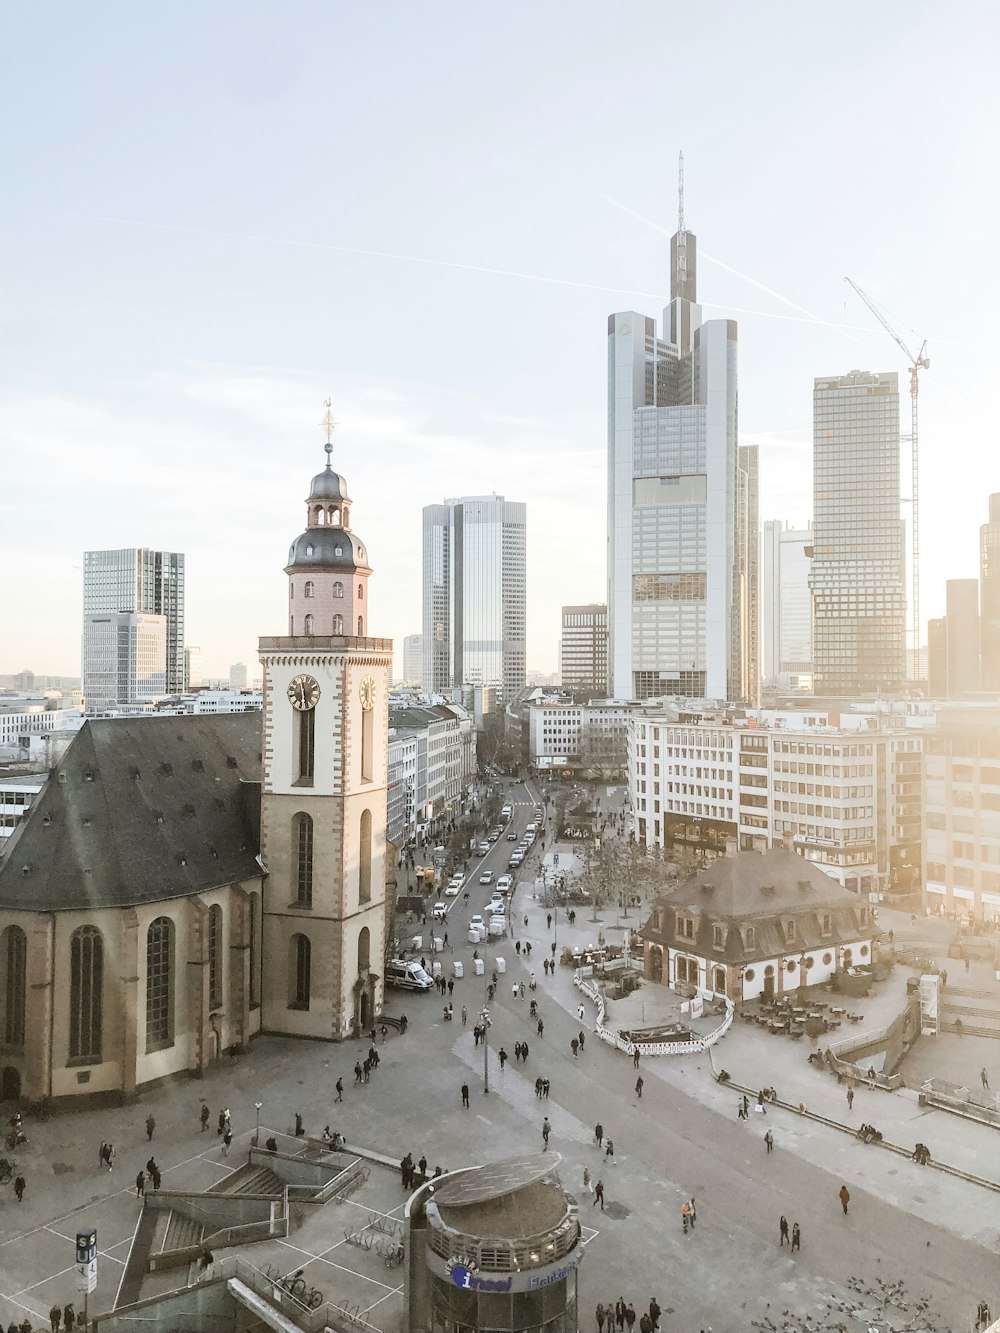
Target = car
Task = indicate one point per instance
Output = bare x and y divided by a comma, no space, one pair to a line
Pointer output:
486,877
406,975
512,837
483,847
515,859
476,922
506,812
496,907
505,883
458,879
453,890
528,839
439,911
539,813
530,828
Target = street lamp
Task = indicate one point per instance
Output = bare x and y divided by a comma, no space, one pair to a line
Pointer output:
256,1135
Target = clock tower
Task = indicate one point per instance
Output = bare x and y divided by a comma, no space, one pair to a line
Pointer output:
323,799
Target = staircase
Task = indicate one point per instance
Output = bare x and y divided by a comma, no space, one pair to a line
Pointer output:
181,1232
979,1011
251,1179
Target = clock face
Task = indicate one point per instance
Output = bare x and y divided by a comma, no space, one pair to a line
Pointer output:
366,693
303,693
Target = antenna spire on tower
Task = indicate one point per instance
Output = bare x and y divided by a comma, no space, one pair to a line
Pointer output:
680,193
329,426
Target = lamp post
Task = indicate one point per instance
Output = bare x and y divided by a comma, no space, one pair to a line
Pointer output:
256,1134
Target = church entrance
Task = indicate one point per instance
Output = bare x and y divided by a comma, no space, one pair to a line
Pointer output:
365,1011
10,1084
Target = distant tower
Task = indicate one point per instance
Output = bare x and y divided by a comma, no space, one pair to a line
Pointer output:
989,592
323,800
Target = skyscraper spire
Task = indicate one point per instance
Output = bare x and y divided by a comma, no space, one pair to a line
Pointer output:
680,192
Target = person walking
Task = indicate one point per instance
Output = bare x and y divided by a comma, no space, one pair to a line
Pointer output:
984,1077
654,1312
20,1184
635,1058
502,1056
156,1170
599,1134
524,1052
630,1316
796,1236
221,1124
340,1090
850,1099
69,1317
769,1140
150,1127
638,1086
108,1151
685,1216
546,1131
586,1180
581,1038
465,1015
55,1318
538,1086
783,1228
227,1139
609,1152
600,1317
694,1212
465,1095
541,1027
741,1109
574,1047
599,1199
845,1198
517,1052
140,1184
204,1116
620,1312
645,1324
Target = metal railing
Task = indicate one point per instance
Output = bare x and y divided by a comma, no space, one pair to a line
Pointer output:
628,1047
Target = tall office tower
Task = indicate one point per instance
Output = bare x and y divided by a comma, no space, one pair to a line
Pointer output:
679,574
192,666
584,651
474,593
238,676
962,636
989,597
150,582
413,659
786,605
747,627
858,567
937,658
123,654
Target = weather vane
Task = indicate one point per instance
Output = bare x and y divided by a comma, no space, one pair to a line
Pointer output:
329,425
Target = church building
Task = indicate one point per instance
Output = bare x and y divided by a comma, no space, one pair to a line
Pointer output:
184,883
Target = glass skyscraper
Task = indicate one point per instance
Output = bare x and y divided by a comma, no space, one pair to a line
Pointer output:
474,594
147,582
858,568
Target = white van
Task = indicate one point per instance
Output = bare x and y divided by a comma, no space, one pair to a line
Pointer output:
406,975
506,812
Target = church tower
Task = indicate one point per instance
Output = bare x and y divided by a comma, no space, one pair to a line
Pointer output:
325,770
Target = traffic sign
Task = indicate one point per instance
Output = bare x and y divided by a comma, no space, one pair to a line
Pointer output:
86,1261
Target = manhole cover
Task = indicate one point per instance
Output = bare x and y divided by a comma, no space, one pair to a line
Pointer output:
617,1211
60,1168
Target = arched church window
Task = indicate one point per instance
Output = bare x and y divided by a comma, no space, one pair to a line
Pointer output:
338,624
338,590
335,517
309,625
299,969
160,984
361,592
215,956
13,959
291,590
302,841
364,950
310,588
365,858
86,995
254,950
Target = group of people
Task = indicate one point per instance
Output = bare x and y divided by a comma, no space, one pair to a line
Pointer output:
65,1317
618,1314
153,1172
411,1176
363,1072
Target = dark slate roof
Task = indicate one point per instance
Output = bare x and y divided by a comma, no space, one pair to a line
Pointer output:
328,485
317,548
141,809
763,890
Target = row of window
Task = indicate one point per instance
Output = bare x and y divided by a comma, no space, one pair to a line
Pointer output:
309,624
302,861
309,590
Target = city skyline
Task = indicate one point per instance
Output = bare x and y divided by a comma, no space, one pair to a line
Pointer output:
135,345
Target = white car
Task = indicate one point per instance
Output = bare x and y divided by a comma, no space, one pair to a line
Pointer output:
440,911
453,890
515,859
486,877
505,883
458,879
528,838
497,908
477,923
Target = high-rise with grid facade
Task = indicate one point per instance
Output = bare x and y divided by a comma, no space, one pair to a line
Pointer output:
858,567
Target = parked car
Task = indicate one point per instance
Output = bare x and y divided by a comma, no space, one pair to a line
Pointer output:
477,922
483,847
453,890
505,883
528,839
406,975
515,859
512,837
506,812
486,877
497,908
458,879
439,911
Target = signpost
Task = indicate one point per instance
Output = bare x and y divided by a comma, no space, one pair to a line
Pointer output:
86,1266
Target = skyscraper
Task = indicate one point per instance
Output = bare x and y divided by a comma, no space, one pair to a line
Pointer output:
584,651
144,581
786,605
238,676
858,568
413,659
681,569
962,636
123,654
937,658
474,594
989,596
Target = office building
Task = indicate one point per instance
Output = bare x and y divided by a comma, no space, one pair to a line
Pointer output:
148,582
192,667
858,567
681,592
238,676
747,626
989,597
413,660
474,594
786,606
583,651
937,658
962,636
579,736
123,654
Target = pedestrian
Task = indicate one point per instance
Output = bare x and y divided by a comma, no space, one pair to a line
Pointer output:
984,1077
580,1012
465,1015
609,1152
574,1047
693,1213
366,1071
871,1077
586,1179
581,1038
599,1199
796,1236
451,985
465,1095
204,1116
645,1324
538,1087
524,1051
222,1123
150,1126
654,1312
892,936
741,1110
156,1170
546,1131
19,1187
517,1052
761,1108
227,1139
358,1074
502,1057
552,965
340,1090
69,1317
548,920
599,1133
545,1088
525,920
769,1140
635,1058
746,1107
422,1164
620,1312
685,1216
140,1184
517,948
109,1155
783,1228
958,1027
527,947
638,1086
630,1316
55,1318
845,1198
850,1099
150,1166
600,1317
541,1027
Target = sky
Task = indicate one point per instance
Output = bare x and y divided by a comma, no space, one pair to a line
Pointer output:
218,215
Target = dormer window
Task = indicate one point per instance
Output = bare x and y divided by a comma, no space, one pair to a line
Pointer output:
825,924
749,937
718,937
685,927
790,931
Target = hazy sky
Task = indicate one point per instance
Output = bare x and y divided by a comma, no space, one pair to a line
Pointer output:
218,214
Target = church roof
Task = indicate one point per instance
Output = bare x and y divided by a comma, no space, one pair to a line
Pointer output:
327,548
141,809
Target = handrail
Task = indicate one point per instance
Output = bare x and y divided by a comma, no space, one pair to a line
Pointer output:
629,1047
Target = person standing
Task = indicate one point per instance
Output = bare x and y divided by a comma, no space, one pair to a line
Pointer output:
984,1077
845,1198
574,1047
340,1090
20,1184
156,1170
227,1139
502,1057
465,1015
635,1058
465,1095
69,1317
140,1184
55,1318
638,1086
630,1316
599,1134
586,1180
600,1317
850,1099
150,1127
620,1312
783,1228
645,1324
769,1140
654,1312
204,1116
581,1038
599,1199
546,1131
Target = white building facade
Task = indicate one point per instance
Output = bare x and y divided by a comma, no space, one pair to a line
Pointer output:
786,606
124,656
146,582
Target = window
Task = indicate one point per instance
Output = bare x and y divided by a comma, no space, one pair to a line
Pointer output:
361,626
825,924
309,625
750,937
367,743
160,984
790,931
299,969
214,957
86,995
338,590
365,855
718,936
254,927
307,747
13,959
364,952
302,841
338,621
361,592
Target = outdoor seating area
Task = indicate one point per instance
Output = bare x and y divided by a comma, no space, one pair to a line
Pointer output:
797,1019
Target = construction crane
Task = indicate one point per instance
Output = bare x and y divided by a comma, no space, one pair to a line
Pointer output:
918,362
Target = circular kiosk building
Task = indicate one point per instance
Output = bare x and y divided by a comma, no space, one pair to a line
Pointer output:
493,1247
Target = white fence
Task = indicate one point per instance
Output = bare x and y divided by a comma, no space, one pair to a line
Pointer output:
698,1043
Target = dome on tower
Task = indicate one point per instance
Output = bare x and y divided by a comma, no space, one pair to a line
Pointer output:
327,548
328,485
